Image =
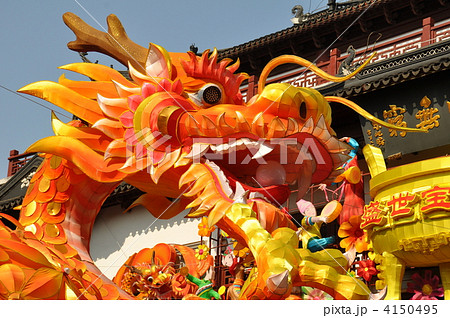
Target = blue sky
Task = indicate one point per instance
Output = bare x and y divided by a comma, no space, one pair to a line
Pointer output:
34,39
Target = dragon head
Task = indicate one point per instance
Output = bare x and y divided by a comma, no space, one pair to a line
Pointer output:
181,126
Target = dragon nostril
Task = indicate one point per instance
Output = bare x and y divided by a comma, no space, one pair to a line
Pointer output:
302,110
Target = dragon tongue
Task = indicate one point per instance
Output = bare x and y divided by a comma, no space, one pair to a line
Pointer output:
277,194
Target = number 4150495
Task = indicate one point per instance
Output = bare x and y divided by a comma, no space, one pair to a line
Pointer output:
411,309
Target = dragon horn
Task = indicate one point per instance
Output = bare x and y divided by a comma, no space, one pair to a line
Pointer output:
369,116
153,259
115,43
134,269
284,59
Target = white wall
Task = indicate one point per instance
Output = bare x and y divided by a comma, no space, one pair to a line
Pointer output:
116,236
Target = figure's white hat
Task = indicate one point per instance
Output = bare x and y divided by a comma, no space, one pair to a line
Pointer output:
303,205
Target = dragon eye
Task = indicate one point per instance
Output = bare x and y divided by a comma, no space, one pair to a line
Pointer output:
210,94
303,110
150,279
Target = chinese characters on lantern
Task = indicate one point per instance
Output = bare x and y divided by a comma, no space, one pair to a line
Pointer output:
436,198
401,205
374,214
405,204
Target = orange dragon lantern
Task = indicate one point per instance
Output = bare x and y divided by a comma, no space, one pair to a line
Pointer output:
178,129
152,272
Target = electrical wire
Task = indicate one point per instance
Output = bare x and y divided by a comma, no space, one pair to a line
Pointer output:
31,100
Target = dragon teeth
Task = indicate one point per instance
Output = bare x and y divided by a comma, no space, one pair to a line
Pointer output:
339,159
292,126
334,145
250,144
321,130
308,127
262,151
257,195
222,179
254,195
197,151
239,191
345,146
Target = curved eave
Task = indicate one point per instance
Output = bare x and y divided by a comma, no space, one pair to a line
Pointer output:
315,21
392,71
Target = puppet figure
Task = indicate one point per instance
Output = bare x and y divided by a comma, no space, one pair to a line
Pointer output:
309,233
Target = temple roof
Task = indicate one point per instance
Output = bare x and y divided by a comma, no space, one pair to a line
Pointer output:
401,68
350,23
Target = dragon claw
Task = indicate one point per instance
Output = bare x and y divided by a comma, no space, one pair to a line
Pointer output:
278,284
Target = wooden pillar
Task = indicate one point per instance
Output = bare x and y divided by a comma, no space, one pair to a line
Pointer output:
252,87
11,160
427,34
333,66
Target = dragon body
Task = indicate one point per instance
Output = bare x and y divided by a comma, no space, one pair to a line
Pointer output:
180,131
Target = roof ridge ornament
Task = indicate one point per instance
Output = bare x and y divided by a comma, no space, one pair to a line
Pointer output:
347,65
299,17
